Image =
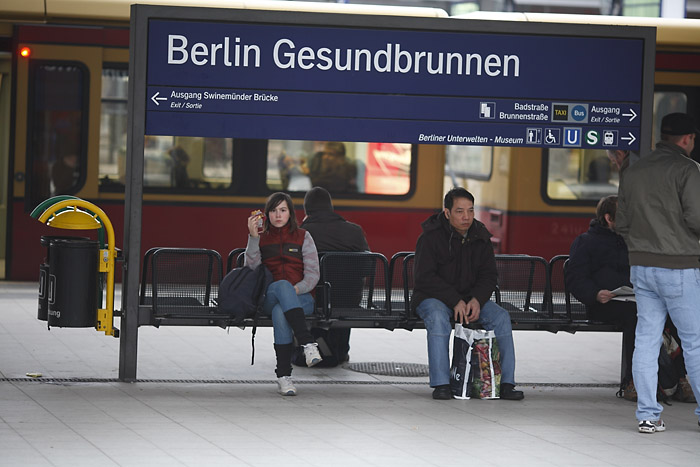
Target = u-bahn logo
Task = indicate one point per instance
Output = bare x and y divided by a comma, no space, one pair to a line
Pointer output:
572,137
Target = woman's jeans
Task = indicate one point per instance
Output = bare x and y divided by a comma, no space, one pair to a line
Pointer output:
282,297
661,291
438,322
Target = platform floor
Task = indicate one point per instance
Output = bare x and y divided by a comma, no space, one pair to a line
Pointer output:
199,402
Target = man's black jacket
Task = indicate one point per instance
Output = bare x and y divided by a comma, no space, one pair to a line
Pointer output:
450,267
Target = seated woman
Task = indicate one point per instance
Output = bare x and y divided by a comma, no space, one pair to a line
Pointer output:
290,254
598,264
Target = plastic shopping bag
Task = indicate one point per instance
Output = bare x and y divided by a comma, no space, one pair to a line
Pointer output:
476,371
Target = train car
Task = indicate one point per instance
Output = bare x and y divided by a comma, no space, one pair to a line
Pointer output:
63,91
536,201
64,109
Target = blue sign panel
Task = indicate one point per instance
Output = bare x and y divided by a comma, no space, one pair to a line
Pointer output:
251,80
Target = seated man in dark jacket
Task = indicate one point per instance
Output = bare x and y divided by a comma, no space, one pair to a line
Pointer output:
599,264
455,275
333,233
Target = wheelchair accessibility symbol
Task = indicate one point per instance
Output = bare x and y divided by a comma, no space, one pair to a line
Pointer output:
552,136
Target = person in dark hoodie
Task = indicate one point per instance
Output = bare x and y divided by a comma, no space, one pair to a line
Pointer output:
330,232
455,275
598,264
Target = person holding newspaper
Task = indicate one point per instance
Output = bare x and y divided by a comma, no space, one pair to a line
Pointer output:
598,275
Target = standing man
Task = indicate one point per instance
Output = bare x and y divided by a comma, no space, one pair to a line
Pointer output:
659,217
331,233
455,275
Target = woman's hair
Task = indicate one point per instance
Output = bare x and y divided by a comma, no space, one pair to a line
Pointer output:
606,205
275,200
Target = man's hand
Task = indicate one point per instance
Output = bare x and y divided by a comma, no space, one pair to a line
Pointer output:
461,312
604,296
473,310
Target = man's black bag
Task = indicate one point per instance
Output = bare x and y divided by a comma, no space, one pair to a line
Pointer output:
242,292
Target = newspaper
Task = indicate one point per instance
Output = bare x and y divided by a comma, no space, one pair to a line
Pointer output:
624,294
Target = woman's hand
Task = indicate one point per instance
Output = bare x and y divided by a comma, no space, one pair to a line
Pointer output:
253,226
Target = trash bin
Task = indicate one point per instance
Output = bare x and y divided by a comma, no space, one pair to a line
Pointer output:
72,290
43,312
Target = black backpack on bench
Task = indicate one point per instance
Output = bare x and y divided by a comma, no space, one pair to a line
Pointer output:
242,292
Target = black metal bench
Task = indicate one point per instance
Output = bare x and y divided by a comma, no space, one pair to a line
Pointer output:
179,286
361,290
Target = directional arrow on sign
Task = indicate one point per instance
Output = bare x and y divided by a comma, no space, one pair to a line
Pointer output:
629,138
632,115
155,98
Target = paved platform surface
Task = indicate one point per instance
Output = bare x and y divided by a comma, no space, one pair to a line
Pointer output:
199,402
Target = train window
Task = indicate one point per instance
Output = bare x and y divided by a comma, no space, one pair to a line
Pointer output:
468,162
340,167
183,162
56,129
580,174
112,163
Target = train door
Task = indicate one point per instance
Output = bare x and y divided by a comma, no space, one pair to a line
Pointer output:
57,93
5,64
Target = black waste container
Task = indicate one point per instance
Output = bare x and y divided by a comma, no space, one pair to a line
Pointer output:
43,313
73,283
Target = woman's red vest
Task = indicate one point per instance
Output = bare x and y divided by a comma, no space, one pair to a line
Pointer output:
281,253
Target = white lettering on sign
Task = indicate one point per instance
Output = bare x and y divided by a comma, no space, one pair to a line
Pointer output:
202,54
391,59
387,58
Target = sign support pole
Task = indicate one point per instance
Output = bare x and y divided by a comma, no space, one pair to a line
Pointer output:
128,342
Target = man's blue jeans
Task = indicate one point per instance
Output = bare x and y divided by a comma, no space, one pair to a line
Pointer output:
282,297
659,292
437,318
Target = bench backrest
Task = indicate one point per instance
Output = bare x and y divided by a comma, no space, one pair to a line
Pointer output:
400,282
523,287
179,281
356,285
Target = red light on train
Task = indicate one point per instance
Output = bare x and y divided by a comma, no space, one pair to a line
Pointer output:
25,52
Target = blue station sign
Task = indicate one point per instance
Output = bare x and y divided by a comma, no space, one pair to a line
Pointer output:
318,82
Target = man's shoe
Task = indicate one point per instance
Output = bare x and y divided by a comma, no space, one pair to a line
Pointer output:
443,392
311,354
508,392
286,387
652,426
